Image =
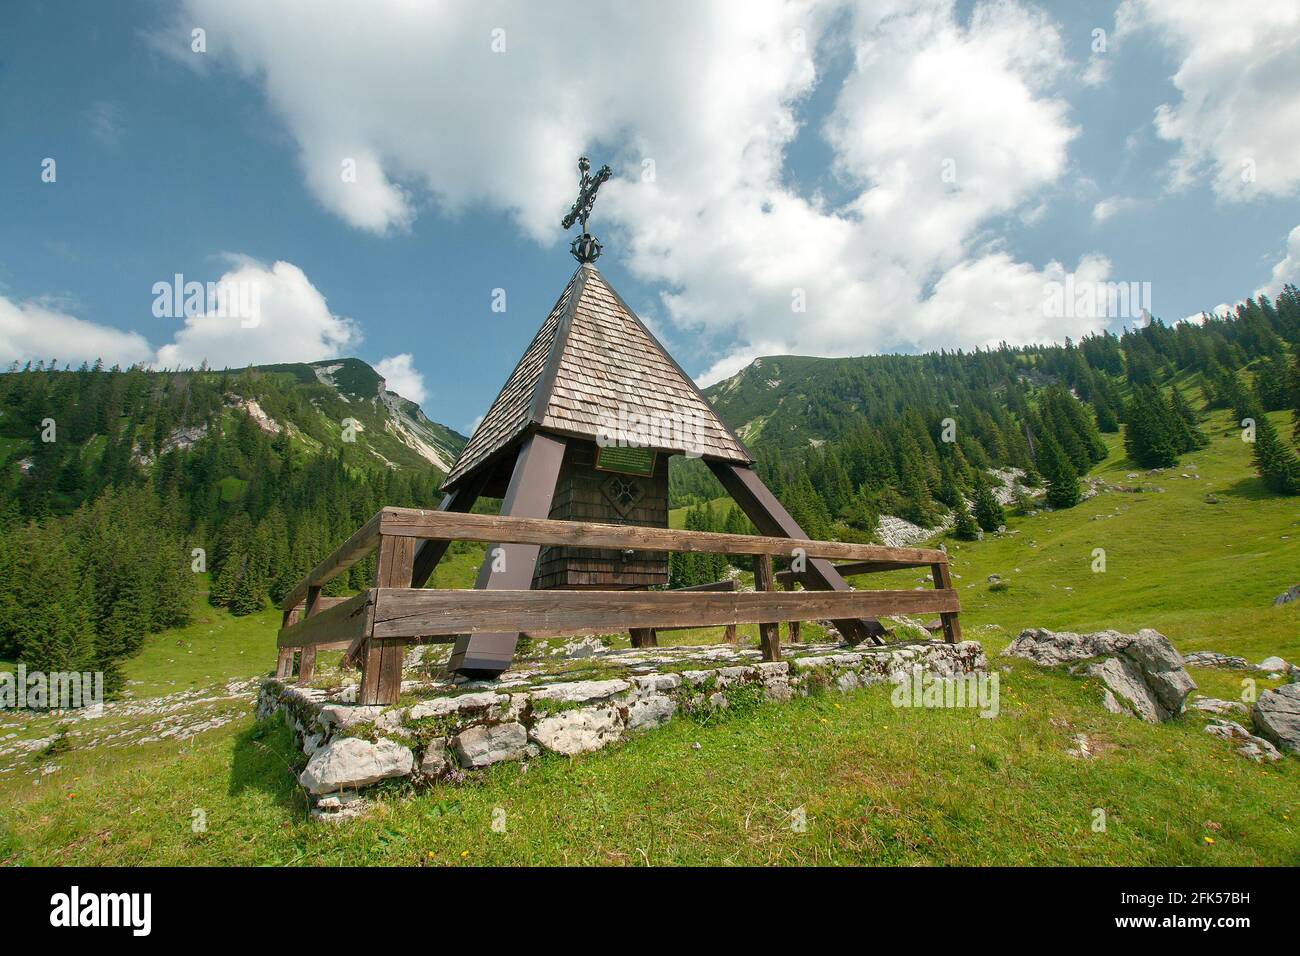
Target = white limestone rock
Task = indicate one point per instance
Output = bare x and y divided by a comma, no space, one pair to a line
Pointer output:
483,746
579,692
347,763
580,730
436,760
650,712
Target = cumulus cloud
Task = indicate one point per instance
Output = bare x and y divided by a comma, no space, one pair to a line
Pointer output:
34,330
403,377
289,322
1287,270
942,126
1238,120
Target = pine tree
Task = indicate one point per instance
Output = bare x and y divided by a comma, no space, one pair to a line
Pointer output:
1059,473
1147,425
988,513
965,526
1275,462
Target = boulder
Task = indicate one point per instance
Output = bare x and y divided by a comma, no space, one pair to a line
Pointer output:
580,730
350,762
1276,716
1124,681
1287,596
483,746
1270,664
1143,670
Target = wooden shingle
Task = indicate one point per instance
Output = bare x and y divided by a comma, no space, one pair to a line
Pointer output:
593,370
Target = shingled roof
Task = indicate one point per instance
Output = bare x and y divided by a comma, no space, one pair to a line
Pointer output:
592,368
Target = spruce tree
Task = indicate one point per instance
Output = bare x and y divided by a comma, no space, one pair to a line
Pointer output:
1275,462
1059,473
988,513
965,526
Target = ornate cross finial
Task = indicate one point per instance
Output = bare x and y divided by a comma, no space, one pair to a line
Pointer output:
585,248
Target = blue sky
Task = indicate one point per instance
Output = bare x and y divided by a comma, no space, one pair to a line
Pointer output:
913,172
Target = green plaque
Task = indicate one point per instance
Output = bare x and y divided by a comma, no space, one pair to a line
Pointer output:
626,461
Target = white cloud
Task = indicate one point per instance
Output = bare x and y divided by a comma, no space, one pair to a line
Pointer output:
709,93
33,330
403,377
729,365
1239,76
1113,206
293,323
1287,270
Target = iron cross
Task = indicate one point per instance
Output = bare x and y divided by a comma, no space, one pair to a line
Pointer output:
581,209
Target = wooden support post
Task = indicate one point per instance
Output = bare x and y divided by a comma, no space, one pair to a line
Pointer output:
430,551
769,633
284,662
951,625
510,567
796,627
770,518
381,660
644,637
307,659
729,635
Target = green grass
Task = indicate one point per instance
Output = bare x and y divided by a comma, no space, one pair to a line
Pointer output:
214,647
878,785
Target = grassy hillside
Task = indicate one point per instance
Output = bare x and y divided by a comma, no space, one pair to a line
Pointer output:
878,785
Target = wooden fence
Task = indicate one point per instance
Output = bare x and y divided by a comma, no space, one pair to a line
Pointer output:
375,626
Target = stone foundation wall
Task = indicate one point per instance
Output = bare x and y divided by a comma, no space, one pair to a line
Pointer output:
440,730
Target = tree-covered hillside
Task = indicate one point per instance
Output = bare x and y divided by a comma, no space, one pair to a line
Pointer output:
120,488
842,441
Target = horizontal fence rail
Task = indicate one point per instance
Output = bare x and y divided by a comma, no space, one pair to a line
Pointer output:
373,626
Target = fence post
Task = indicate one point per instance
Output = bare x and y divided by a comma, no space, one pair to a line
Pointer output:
770,633
943,580
381,660
796,627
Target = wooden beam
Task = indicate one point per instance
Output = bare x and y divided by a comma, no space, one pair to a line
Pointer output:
771,518
412,612
769,632
343,557
727,585
430,551
857,567
528,500
341,623
503,529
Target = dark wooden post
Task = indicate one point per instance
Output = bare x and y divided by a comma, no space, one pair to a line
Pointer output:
943,579
729,635
381,660
307,659
644,637
769,633
429,552
771,518
532,486
284,657
796,627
